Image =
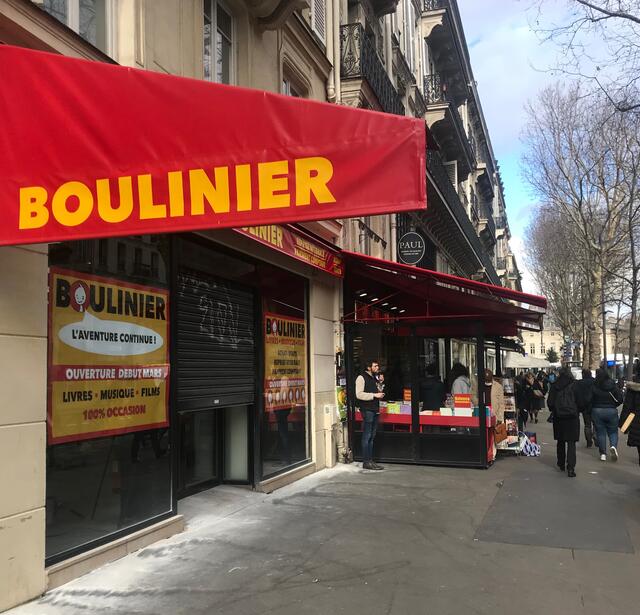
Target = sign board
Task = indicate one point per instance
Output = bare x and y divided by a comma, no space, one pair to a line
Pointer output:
184,154
297,246
411,248
108,357
285,362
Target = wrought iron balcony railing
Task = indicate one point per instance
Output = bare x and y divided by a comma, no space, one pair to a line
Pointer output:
434,5
359,60
441,178
435,89
501,222
502,263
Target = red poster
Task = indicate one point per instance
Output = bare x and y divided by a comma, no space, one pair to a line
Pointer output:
90,149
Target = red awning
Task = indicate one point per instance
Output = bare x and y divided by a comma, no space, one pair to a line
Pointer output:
89,149
436,303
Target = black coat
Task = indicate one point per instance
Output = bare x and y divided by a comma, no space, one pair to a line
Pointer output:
537,403
605,394
432,393
584,393
565,428
632,404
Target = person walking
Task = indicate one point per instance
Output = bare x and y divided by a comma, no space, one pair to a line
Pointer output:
632,406
521,401
566,422
584,394
538,393
605,399
369,396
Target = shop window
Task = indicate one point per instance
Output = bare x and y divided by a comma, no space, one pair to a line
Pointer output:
89,18
285,422
218,42
108,445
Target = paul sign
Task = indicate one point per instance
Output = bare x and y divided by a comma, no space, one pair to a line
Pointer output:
411,248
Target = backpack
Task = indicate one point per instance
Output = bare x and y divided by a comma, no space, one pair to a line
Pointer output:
565,403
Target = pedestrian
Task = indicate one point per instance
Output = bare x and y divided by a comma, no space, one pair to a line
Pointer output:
538,392
432,393
459,383
521,401
605,399
584,394
632,405
529,380
494,395
566,422
369,396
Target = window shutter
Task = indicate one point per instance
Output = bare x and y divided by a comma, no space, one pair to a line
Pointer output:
319,19
452,172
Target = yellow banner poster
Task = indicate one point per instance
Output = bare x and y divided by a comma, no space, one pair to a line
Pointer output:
108,357
285,362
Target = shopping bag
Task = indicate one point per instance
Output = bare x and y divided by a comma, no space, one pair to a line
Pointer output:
627,422
500,432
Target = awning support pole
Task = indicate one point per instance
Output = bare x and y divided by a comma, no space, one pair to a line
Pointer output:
481,397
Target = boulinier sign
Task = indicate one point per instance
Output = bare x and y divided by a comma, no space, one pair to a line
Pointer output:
89,149
411,248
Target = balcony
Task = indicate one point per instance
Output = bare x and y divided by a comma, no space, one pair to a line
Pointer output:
366,83
444,121
434,5
502,265
450,218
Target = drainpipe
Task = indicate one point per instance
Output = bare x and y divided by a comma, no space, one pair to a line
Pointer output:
336,48
331,84
393,239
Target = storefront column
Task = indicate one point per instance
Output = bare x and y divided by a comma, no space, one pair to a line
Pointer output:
481,400
498,359
23,404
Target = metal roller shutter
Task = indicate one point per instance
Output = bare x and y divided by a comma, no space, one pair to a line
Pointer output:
215,343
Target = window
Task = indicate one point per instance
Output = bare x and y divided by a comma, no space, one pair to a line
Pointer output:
108,463
218,43
542,351
533,349
285,430
290,89
89,18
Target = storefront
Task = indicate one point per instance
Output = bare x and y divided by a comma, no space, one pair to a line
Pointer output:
421,326
222,397
171,326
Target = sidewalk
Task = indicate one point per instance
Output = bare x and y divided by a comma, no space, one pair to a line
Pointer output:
520,537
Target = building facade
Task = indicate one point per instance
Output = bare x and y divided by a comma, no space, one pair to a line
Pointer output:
78,502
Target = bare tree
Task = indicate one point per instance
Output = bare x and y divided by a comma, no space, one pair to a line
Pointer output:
599,41
572,163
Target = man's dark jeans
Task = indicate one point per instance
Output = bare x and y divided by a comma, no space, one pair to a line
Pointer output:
369,428
566,458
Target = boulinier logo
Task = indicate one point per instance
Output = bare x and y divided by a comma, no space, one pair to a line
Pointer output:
79,296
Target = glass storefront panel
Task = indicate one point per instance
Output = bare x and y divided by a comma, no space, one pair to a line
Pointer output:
285,423
108,453
395,423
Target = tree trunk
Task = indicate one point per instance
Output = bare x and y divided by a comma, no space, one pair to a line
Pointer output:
633,319
594,316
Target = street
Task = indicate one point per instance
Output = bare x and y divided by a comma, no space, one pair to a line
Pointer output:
519,537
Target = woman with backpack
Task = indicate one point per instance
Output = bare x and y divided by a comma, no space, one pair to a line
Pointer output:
605,399
566,422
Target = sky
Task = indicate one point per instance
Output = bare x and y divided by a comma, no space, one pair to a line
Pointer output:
510,66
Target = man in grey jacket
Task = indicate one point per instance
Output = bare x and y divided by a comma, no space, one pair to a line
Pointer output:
369,396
